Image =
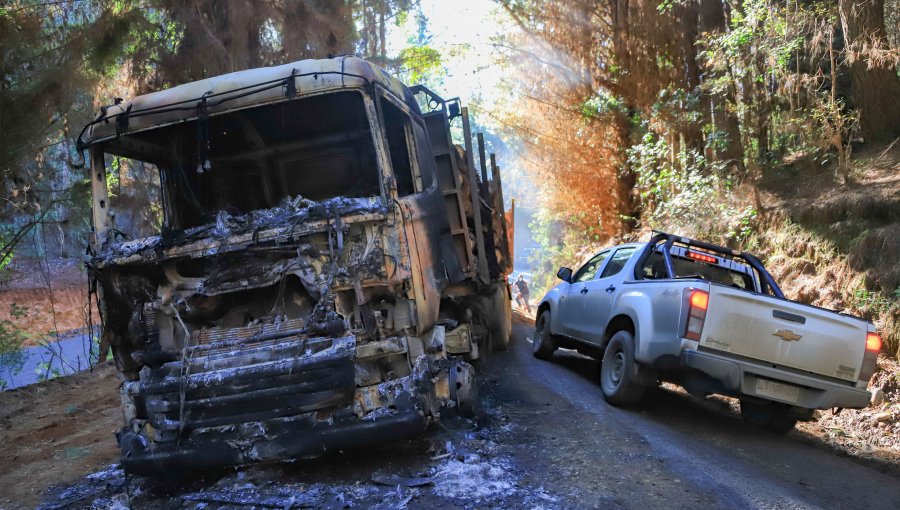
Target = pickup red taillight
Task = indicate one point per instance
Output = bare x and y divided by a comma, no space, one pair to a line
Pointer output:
870,360
698,302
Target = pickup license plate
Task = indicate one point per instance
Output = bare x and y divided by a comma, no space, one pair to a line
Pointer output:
777,390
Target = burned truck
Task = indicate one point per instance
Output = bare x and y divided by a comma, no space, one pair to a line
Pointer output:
327,265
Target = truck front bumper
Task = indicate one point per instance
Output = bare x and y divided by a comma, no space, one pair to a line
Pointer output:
289,399
273,440
741,377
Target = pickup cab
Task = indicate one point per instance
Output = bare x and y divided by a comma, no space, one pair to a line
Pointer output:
712,320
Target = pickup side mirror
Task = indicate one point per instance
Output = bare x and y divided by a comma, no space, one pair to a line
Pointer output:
564,274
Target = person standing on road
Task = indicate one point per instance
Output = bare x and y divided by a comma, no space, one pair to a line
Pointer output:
522,296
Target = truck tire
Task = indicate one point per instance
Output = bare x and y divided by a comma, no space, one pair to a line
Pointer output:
769,415
501,313
543,345
618,362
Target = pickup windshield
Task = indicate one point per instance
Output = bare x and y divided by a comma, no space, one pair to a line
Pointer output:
723,271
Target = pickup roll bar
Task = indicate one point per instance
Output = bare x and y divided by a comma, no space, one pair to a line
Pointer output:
766,281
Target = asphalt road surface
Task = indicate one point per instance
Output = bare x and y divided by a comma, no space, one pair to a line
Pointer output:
672,451
547,439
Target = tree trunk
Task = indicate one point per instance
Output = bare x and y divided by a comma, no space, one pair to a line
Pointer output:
876,87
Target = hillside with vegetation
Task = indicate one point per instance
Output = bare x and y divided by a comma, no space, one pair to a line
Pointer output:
766,126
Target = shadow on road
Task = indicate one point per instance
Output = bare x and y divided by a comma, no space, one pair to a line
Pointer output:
714,417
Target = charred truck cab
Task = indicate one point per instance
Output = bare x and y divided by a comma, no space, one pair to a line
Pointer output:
328,264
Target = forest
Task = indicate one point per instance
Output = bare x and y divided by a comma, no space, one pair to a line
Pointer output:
753,123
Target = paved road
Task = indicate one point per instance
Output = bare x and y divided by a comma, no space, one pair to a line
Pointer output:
547,440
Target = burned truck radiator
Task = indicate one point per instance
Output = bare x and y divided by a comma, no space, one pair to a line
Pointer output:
271,400
216,386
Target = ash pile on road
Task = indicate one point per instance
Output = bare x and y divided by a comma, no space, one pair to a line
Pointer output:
459,465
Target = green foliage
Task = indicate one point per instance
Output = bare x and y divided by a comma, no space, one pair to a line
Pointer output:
761,64
419,63
601,105
558,247
686,193
113,176
44,370
874,302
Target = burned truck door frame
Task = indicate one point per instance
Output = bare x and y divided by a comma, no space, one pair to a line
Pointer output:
422,212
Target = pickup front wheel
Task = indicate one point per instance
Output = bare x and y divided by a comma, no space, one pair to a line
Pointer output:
542,343
618,362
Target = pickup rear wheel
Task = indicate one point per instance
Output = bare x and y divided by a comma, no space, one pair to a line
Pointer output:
618,362
542,342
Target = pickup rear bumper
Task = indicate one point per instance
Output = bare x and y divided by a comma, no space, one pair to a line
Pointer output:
741,377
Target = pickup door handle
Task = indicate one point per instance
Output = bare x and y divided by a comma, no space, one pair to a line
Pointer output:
584,290
610,288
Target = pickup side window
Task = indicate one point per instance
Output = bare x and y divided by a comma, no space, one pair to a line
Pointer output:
617,262
589,269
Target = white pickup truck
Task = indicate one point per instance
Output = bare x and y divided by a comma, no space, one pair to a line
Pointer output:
712,320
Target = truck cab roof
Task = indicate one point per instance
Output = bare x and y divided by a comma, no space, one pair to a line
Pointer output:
242,89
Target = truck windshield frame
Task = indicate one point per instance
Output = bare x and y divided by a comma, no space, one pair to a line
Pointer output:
317,146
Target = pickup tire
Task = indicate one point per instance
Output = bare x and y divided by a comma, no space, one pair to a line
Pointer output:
772,416
543,344
615,369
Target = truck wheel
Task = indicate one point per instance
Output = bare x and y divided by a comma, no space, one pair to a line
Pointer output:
542,342
618,362
501,323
